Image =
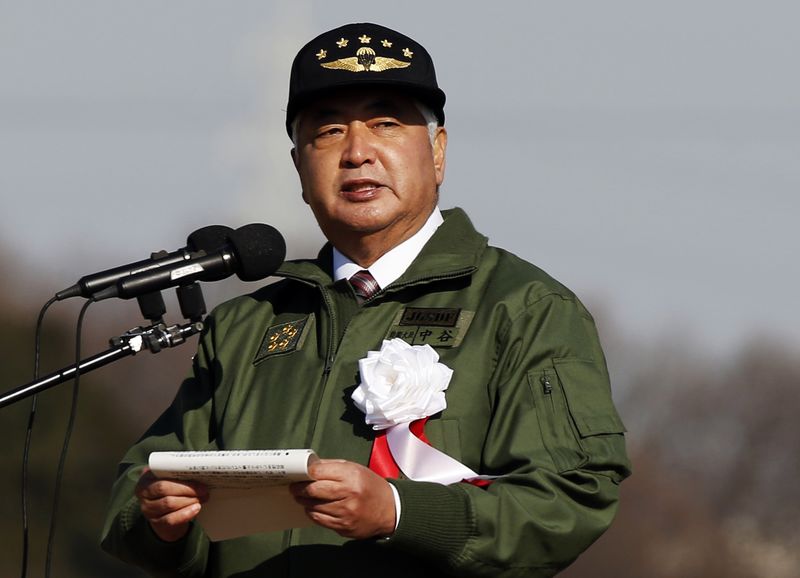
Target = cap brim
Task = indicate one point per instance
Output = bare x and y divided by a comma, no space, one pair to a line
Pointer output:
433,97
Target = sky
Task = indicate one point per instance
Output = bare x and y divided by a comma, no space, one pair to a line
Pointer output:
643,153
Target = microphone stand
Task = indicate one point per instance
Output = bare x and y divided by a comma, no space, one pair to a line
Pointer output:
154,337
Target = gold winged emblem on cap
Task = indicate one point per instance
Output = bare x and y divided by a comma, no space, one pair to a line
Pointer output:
365,60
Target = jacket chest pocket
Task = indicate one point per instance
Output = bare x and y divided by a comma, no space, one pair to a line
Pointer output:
444,435
573,404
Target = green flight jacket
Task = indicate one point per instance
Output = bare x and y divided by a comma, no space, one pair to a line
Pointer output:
529,401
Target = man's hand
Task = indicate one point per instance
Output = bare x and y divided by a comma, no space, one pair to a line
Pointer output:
348,498
169,505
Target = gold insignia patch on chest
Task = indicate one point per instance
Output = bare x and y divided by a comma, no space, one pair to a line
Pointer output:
282,338
434,326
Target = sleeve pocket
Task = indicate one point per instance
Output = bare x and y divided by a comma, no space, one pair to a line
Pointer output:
574,407
588,397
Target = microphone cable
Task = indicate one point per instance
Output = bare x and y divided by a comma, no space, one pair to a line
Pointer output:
28,436
67,435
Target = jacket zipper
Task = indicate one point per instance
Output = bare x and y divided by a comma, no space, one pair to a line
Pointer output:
546,385
547,389
329,352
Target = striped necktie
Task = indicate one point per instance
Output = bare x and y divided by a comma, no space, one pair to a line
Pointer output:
364,285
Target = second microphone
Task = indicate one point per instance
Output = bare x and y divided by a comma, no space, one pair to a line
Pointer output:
253,252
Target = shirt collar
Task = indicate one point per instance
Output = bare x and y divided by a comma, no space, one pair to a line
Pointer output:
394,262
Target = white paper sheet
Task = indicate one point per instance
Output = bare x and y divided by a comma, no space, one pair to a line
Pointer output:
248,489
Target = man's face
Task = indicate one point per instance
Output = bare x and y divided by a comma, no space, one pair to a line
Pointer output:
367,166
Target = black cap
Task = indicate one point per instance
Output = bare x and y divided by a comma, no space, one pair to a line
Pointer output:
362,54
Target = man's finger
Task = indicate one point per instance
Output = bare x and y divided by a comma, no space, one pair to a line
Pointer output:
175,525
154,509
343,526
325,490
331,469
156,488
178,517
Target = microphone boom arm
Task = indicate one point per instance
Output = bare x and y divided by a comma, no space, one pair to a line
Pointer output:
154,338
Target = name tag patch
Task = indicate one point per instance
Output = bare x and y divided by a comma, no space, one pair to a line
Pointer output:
429,316
282,338
437,327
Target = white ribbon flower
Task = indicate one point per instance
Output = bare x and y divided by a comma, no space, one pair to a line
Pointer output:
401,383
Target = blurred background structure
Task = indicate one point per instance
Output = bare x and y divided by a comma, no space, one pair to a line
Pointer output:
645,154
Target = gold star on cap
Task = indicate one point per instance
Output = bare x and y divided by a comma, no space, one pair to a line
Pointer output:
364,39
342,42
321,54
386,44
407,53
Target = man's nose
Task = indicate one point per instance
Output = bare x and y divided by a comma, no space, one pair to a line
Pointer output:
359,148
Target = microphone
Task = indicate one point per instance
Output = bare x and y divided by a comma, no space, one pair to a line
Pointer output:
206,239
253,252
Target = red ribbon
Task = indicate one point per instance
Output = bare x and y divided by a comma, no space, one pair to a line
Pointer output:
382,463
380,460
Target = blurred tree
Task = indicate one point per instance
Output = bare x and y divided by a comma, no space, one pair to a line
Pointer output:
715,466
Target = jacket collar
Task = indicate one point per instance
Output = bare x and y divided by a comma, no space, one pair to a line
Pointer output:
454,250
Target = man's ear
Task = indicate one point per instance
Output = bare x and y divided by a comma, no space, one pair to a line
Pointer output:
296,161
439,153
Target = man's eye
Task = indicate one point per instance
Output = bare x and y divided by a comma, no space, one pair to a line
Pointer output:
386,123
329,131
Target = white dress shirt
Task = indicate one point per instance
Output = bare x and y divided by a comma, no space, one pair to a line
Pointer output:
393,263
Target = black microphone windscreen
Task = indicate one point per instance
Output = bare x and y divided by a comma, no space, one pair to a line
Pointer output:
210,239
260,250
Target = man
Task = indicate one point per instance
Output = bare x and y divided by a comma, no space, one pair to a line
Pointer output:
528,402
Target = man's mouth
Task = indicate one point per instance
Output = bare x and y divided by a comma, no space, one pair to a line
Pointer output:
360,189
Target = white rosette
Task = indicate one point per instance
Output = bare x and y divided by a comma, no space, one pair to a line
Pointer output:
402,383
